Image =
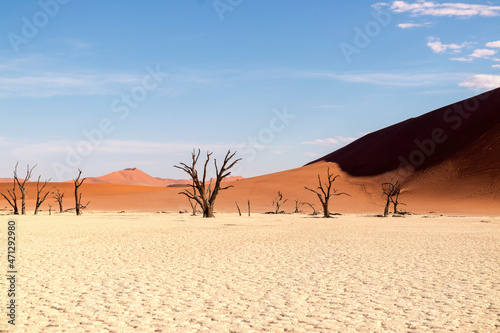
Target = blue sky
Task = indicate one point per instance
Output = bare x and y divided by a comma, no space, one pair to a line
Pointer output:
106,85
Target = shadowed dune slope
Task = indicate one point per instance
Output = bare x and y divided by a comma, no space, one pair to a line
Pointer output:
465,131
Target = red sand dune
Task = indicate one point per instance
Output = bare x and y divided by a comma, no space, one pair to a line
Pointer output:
133,176
448,162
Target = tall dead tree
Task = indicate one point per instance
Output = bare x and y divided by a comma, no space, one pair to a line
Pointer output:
278,202
78,196
59,198
193,206
389,190
13,196
325,192
39,197
205,195
23,187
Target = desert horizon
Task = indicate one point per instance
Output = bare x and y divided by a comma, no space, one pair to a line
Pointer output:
240,166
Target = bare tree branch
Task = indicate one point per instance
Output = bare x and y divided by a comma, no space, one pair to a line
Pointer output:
203,193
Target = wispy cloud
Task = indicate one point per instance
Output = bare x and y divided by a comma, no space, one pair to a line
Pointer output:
330,142
437,47
481,81
415,25
332,106
311,154
389,78
55,84
450,9
78,44
477,54
495,66
50,147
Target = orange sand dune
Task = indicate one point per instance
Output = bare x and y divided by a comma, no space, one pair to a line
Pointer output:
447,161
134,176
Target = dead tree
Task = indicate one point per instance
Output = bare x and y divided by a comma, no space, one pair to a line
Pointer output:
78,196
13,196
239,210
23,186
389,190
39,197
278,202
324,192
59,198
315,212
248,207
203,195
298,203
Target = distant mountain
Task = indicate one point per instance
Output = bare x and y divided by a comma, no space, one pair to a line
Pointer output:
134,176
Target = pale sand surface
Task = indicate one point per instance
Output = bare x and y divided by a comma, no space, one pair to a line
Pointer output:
175,273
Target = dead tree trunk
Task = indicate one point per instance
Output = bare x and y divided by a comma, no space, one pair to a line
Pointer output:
278,202
200,193
39,197
239,211
13,197
193,206
298,203
248,207
78,196
23,186
388,190
326,192
395,200
59,198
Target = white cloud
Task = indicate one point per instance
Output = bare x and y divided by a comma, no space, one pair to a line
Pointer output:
430,8
483,53
415,25
437,47
380,5
495,66
493,44
481,81
338,140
